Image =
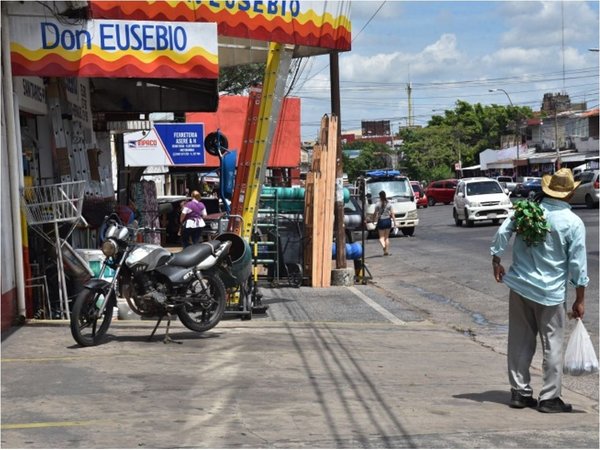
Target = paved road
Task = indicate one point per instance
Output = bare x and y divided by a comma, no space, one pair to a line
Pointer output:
414,359
445,271
329,368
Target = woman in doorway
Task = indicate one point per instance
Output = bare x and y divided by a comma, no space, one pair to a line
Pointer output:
192,220
385,221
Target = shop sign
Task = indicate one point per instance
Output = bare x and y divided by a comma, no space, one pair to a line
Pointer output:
311,23
166,144
31,93
113,48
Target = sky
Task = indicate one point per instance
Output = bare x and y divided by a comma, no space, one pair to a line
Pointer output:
450,51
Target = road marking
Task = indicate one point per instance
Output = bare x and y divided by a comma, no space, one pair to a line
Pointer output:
74,423
377,307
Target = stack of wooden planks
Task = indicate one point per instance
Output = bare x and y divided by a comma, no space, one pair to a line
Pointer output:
319,206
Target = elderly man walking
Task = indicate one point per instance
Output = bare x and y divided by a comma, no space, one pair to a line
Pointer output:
538,279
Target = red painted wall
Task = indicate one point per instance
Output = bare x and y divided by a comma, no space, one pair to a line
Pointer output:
230,118
9,309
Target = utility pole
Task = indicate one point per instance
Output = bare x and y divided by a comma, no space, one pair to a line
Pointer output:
410,114
557,165
517,129
340,235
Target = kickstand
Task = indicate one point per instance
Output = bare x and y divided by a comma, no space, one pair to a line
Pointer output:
167,338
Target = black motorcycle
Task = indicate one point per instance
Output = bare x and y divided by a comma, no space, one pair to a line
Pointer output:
155,283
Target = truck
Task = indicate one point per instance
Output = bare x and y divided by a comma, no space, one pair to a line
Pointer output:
399,193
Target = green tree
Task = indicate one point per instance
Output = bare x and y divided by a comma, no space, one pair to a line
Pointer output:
431,152
237,79
372,156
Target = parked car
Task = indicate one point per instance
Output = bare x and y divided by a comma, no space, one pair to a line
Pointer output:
441,191
506,182
353,219
528,188
420,196
479,199
587,192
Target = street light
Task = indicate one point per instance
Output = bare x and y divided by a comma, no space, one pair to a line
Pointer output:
506,93
519,133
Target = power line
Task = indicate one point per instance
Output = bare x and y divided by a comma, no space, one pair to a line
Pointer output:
351,42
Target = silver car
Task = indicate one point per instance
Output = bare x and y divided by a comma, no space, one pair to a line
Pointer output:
587,192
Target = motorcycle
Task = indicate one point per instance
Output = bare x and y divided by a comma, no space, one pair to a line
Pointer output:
154,282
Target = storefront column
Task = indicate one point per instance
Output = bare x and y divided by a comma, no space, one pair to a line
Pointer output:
13,163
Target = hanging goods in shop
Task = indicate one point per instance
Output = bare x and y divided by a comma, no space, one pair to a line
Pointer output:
276,72
57,204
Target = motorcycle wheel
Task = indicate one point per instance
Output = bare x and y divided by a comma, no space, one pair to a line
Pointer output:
86,327
207,310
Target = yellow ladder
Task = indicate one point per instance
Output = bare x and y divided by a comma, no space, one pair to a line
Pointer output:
276,72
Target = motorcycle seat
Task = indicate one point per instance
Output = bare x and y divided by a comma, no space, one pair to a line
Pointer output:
192,255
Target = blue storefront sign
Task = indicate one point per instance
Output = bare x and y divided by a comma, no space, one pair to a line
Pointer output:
166,144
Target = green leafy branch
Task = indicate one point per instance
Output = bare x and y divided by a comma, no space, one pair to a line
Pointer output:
530,222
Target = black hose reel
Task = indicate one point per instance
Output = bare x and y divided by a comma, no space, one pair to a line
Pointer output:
216,143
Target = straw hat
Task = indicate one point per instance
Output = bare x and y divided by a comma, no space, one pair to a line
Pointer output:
559,185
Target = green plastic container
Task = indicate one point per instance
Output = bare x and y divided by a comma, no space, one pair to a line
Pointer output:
241,255
290,200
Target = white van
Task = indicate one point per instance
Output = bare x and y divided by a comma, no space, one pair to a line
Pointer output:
400,195
479,199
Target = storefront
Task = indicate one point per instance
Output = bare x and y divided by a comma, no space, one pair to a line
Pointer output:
53,143
77,70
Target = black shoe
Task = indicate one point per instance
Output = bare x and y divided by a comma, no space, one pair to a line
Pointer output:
518,400
555,405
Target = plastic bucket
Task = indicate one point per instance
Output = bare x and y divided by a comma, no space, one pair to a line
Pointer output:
241,255
95,259
353,250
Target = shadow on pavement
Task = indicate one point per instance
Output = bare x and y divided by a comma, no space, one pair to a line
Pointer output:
501,397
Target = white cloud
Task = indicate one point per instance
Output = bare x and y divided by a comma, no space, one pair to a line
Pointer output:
541,23
433,60
513,45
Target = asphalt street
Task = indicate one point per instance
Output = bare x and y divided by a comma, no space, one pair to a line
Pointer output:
340,367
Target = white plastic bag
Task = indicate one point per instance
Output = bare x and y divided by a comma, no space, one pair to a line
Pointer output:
580,357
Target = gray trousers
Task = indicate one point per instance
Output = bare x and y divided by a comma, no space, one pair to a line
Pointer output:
527,319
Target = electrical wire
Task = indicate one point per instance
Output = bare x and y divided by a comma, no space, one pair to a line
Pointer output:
351,42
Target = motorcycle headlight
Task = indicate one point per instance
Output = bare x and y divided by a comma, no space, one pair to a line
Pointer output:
109,248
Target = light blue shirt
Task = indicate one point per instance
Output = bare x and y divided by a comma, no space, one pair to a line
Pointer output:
540,272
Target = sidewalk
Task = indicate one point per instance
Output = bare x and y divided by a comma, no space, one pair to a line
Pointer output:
273,384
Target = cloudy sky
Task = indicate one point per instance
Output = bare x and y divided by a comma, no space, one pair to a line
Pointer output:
451,50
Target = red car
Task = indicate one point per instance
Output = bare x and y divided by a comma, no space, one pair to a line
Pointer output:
441,191
420,197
